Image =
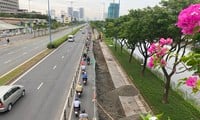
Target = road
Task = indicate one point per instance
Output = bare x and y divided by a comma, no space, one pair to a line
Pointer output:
88,90
18,51
47,84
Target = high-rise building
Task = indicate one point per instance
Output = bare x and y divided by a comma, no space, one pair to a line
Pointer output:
70,11
9,6
113,10
81,12
76,15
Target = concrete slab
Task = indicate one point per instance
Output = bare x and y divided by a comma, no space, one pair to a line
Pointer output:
132,105
117,75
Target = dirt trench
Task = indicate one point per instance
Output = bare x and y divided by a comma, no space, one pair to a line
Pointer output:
107,96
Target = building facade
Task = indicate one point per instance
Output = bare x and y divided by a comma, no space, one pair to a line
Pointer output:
9,6
81,12
76,15
70,11
113,11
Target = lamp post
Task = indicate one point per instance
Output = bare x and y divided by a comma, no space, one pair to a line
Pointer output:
29,5
49,15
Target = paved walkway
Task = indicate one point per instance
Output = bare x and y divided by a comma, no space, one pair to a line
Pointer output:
133,105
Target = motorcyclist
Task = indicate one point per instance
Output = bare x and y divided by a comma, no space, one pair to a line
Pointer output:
83,67
84,56
84,76
77,104
79,88
88,60
83,115
82,62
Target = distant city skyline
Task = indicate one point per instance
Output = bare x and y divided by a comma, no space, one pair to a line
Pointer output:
93,8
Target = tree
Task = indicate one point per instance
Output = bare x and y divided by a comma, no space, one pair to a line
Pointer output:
122,30
177,49
133,29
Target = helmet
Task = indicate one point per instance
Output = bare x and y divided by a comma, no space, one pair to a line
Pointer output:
83,111
76,98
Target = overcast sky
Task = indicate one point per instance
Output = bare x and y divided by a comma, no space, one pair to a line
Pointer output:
93,8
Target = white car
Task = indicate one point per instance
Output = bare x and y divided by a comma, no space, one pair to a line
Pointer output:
9,94
71,38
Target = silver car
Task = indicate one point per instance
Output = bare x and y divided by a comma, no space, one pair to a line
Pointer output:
9,94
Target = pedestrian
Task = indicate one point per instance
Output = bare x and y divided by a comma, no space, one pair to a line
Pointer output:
7,40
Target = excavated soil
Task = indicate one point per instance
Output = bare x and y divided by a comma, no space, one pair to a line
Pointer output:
107,96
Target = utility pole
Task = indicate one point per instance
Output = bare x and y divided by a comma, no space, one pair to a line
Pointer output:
49,14
29,5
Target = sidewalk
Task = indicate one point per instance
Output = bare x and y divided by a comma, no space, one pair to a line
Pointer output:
133,105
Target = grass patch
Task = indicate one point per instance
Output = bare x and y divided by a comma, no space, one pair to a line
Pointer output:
151,88
6,79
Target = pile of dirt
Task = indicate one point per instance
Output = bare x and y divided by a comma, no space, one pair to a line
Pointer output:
107,95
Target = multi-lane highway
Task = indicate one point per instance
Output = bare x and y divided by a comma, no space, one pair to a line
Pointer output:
47,84
21,48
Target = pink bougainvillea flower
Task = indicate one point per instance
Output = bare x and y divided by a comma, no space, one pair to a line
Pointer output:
189,18
152,48
191,81
162,52
162,41
151,62
163,62
169,41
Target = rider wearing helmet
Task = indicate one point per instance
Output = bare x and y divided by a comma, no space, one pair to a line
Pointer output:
84,76
79,87
88,60
77,104
83,115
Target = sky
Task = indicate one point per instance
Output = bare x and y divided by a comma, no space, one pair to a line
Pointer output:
93,8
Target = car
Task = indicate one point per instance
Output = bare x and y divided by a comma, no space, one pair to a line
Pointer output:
71,38
9,94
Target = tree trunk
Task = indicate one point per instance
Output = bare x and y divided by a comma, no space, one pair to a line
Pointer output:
131,55
121,48
144,65
166,90
115,44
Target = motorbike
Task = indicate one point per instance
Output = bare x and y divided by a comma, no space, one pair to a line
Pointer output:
88,62
79,93
85,81
76,111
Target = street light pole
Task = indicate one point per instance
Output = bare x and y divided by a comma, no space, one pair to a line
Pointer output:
49,15
72,14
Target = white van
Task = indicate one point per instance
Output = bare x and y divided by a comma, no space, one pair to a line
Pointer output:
71,38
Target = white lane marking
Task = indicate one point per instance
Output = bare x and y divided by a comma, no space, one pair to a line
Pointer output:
31,67
54,67
63,57
36,47
40,85
24,53
6,62
10,53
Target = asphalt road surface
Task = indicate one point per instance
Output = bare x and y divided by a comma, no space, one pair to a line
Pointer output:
47,84
88,91
22,48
